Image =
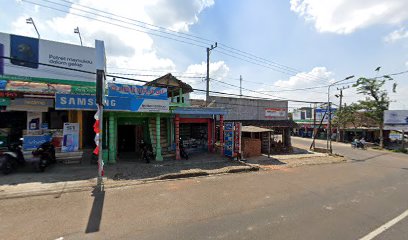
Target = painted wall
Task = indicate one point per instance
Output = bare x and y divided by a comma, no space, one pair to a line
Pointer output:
251,109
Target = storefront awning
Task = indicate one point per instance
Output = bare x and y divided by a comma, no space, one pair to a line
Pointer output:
254,129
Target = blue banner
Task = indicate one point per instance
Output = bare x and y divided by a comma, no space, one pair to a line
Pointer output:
33,142
88,102
3,84
146,92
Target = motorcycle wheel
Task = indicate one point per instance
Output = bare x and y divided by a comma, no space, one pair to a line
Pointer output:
7,167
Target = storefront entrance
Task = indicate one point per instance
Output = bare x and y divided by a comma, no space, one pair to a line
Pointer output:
194,136
129,138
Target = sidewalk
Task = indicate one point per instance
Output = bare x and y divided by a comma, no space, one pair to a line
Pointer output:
59,178
299,158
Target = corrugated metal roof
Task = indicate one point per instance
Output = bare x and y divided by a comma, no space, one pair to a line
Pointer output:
254,129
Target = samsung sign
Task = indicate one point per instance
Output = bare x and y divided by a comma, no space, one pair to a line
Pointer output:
88,102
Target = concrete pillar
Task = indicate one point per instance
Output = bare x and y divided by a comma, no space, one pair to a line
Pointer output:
112,138
177,128
222,134
159,156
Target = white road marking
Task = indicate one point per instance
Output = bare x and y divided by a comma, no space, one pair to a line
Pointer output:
384,227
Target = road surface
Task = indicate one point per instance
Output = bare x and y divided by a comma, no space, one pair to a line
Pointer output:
348,200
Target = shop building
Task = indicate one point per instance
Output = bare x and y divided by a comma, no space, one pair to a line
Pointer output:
268,114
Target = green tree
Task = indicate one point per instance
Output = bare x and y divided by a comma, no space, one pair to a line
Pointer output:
376,101
345,116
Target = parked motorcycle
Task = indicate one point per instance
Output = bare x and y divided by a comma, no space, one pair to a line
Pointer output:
147,151
183,152
13,158
43,156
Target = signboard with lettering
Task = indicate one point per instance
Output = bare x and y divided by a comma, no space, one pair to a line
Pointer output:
31,142
237,138
11,94
125,90
35,87
24,56
275,112
88,102
229,139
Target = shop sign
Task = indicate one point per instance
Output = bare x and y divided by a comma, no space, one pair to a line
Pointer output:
4,101
237,138
275,112
32,102
88,102
33,142
70,142
229,139
35,87
396,120
27,53
3,84
34,121
147,92
320,112
11,94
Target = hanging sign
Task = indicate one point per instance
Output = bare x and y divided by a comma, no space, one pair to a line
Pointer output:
31,142
147,92
229,139
237,138
70,142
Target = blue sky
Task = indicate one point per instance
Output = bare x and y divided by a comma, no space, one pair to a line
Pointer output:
321,41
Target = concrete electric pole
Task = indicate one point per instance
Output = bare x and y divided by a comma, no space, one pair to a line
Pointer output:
207,96
338,136
240,85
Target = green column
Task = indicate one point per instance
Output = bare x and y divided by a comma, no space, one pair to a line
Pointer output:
181,95
112,138
159,156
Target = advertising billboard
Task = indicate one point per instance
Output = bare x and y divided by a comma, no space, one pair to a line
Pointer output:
36,58
126,90
275,113
396,120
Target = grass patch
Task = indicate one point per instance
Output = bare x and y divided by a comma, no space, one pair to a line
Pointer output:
401,150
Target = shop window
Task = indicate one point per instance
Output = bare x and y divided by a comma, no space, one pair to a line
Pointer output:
56,119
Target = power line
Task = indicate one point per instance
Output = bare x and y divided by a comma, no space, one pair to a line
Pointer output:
145,81
286,70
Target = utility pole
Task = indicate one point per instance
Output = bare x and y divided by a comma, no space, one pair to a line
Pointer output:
338,138
314,125
207,97
240,85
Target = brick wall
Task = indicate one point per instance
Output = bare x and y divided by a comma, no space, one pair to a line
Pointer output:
251,147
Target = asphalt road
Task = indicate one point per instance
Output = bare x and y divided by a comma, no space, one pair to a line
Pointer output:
335,201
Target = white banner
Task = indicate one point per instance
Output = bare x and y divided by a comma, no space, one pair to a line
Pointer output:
70,142
28,53
396,120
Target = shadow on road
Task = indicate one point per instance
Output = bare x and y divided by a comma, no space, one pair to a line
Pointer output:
95,216
368,158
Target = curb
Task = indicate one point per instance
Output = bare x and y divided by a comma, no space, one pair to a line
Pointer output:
111,184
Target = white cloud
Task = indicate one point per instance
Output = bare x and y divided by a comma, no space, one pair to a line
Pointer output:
346,16
396,35
177,15
125,47
218,70
406,64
